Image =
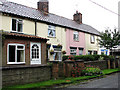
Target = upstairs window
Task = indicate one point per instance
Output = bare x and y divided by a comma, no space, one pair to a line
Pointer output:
17,25
92,39
51,31
76,36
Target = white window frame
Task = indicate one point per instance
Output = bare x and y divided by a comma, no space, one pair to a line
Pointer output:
92,39
80,49
17,25
74,51
52,28
13,44
76,34
59,51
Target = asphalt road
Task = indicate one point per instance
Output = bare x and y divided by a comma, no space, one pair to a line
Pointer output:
110,81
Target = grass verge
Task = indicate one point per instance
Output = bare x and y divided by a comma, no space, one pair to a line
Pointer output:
70,80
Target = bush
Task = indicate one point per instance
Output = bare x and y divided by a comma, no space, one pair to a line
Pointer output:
96,57
89,71
65,58
78,57
88,58
76,71
111,58
84,57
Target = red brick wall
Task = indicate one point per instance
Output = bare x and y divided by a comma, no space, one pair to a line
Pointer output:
27,49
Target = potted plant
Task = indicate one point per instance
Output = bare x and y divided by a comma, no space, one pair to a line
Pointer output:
64,52
51,51
59,46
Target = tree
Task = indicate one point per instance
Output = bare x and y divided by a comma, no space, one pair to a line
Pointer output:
109,39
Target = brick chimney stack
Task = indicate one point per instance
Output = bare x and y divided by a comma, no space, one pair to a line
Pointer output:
77,17
43,6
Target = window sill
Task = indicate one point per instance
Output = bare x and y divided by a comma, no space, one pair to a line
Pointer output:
57,60
16,32
16,63
76,40
92,42
51,37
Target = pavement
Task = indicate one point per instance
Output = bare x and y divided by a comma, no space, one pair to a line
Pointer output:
110,81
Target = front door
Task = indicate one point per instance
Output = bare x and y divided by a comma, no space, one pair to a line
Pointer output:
35,53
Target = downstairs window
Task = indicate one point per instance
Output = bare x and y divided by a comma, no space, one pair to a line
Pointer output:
16,53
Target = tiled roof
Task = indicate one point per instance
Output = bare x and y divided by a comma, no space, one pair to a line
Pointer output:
23,35
24,11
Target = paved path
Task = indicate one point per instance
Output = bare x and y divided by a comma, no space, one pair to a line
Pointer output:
110,81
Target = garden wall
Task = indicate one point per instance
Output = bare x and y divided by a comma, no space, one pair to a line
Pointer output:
64,69
25,74
101,64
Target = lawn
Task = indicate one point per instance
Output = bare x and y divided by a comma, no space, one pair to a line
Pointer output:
51,83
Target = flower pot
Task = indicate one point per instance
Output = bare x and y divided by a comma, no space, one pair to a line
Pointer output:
51,53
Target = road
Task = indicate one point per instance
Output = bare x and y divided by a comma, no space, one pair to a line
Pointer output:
110,81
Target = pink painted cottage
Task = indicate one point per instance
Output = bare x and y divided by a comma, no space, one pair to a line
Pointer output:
75,42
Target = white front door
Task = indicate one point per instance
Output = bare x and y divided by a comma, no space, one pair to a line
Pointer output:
35,51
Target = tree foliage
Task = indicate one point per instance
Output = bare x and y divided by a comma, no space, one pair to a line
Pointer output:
109,39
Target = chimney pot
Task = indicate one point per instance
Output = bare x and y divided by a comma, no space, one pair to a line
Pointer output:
77,17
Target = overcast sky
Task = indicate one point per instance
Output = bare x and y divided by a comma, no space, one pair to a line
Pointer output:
93,14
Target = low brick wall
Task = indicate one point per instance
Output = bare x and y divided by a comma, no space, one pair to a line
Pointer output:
26,74
101,64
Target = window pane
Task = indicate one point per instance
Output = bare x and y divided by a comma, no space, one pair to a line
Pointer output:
35,51
56,56
13,25
20,47
76,36
51,31
19,27
11,53
20,55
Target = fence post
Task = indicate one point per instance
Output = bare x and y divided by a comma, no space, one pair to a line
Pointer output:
108,63
113,64
68,67
55,68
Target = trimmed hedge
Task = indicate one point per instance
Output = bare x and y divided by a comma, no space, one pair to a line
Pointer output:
89,57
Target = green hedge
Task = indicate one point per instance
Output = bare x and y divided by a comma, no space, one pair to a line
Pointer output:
89,57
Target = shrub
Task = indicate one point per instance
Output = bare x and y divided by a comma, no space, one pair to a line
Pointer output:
89,71
65,58
78,57
71,57
88,58
111,58
96,57
105,57
76,71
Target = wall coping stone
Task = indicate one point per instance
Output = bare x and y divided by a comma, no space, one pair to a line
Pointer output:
55,61
23,67
68,61
94,61
81,60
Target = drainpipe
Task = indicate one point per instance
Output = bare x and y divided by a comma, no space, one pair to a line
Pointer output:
35,28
